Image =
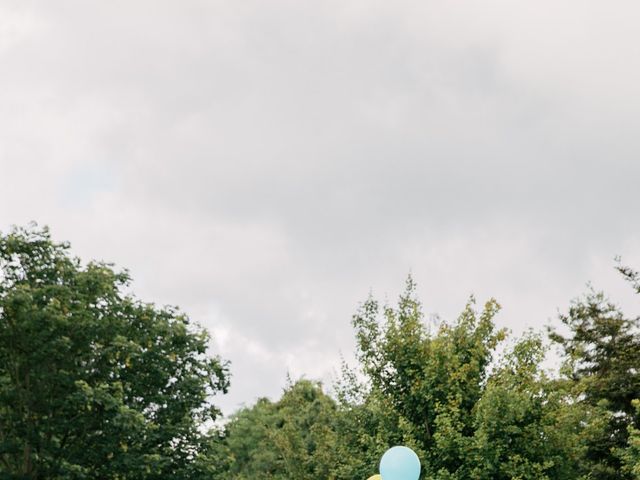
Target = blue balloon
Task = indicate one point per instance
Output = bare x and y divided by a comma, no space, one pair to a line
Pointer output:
400,463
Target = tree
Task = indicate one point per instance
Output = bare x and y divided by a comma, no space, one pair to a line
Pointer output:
291,438
440,391
526,427
630,455
602,360
430,381
94,383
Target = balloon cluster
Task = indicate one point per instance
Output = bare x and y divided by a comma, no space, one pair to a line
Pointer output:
399,463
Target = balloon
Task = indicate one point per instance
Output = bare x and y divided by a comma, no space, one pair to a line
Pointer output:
375,477
400,463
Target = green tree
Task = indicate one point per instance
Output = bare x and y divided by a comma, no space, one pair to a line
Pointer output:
526,427
630,455
291,438
440,391
602,353
94,383
429,381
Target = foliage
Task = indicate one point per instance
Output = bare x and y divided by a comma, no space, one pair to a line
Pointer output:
602,352
431,382
93,383
443,394
440,392
525,427
291,438
630,455
96,384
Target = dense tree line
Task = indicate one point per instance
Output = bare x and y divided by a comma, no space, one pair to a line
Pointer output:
96,384
473,405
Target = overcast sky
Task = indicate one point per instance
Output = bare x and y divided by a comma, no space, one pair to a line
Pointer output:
266,164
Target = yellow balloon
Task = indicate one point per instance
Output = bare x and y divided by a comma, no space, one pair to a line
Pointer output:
375,477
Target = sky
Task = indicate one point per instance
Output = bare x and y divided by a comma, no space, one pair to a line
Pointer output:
266,166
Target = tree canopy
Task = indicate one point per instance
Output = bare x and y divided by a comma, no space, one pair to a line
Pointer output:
94,383
97,384
602,362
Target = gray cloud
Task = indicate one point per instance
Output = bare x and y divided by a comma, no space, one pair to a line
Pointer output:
264,165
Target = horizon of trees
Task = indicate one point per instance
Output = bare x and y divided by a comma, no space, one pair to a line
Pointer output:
95,383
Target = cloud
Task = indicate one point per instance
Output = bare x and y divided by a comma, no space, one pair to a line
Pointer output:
266,165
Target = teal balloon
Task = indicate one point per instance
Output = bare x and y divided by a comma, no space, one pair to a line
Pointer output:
400,463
